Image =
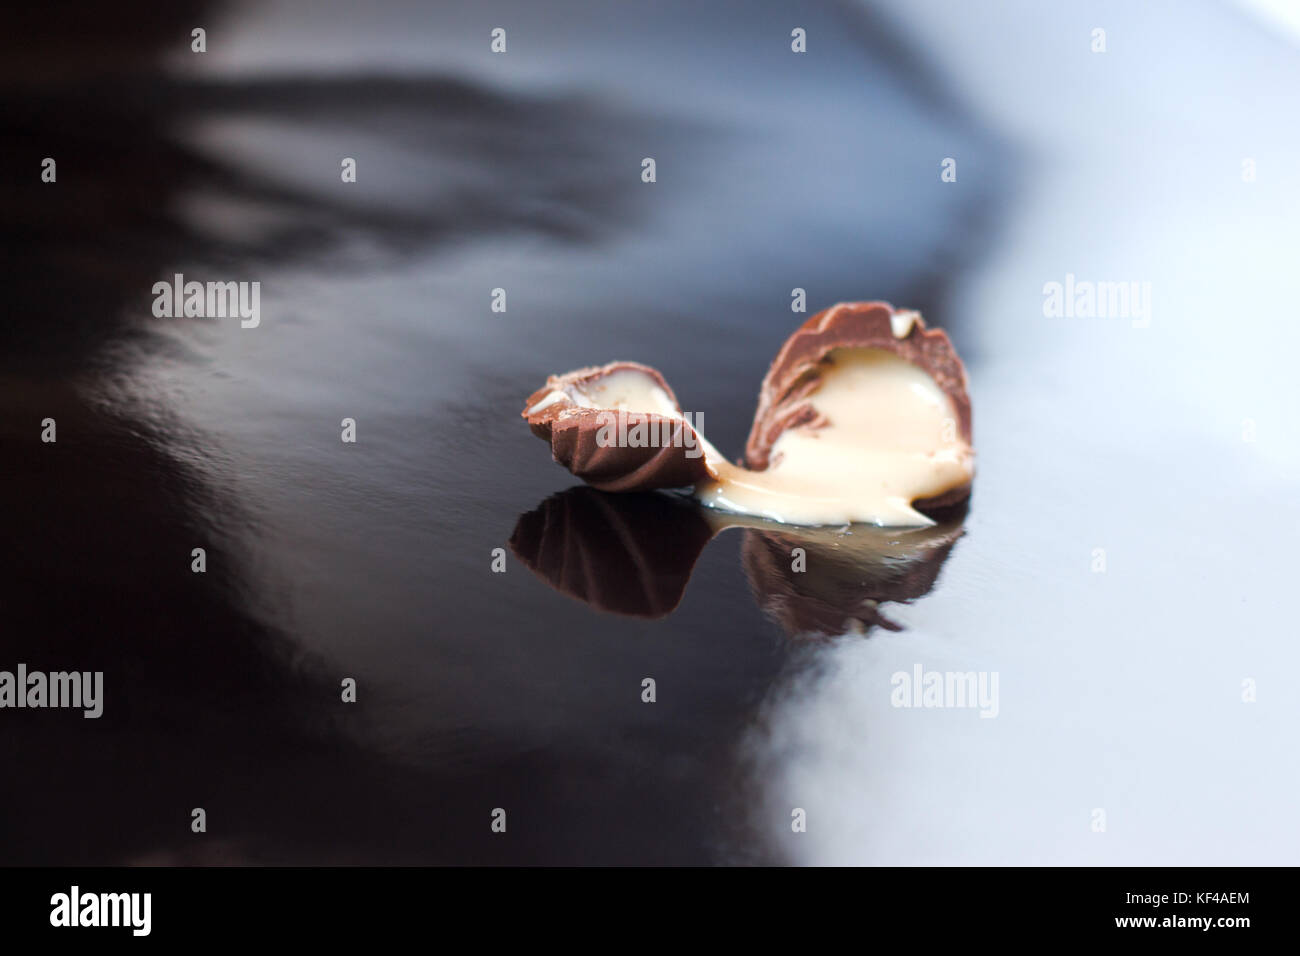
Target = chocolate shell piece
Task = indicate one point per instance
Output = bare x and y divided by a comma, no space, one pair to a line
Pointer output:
782,399
562,413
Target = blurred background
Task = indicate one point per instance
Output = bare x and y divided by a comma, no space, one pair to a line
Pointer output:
1167,445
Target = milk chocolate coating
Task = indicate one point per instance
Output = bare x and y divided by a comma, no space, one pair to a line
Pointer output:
572,431
795,372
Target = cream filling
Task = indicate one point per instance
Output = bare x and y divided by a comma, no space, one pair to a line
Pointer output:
550,399
900,323
631,390
891,438
628,390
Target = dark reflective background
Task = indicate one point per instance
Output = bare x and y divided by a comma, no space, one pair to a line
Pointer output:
479,690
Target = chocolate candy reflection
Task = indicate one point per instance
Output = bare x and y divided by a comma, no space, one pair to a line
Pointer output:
633,554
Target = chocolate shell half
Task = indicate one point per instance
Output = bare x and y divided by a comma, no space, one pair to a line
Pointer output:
783,399
567,413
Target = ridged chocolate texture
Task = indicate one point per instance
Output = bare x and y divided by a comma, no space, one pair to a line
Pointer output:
572,431
783,398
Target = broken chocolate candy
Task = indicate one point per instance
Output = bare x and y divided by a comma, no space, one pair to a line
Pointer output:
784,399
863,417
618,427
